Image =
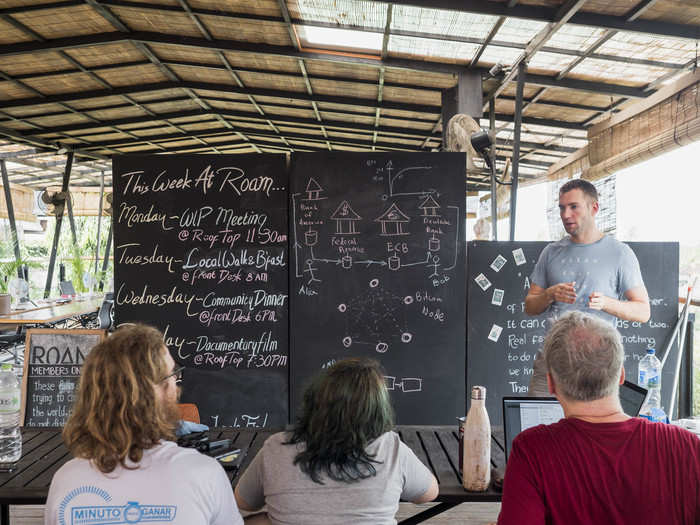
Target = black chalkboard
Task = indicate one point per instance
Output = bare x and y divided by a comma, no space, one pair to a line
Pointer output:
504,363
377,269
201,253
53,360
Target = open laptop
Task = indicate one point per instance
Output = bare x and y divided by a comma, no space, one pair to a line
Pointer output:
521,413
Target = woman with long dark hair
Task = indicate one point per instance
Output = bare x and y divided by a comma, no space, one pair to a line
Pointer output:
341,463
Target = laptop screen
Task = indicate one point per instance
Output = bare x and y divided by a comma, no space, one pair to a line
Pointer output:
521,413
632,398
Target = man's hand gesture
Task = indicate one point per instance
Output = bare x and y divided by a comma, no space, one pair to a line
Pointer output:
597,301
562,292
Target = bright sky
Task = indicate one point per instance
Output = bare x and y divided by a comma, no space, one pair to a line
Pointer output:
658,200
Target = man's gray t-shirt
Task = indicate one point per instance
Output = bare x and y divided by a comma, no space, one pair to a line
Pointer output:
607,266
293,498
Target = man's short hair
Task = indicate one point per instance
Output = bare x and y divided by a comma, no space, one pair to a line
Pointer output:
586,187
584,356
117,413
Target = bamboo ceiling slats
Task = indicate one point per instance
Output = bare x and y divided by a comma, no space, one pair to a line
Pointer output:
678,12
110,76
146,74
106,54
274,33
258,7
156,21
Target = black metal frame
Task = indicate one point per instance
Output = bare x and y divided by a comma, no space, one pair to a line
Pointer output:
515,170
10,208
686,379
59,221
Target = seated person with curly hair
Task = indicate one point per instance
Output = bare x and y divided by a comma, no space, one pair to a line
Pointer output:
341,463
127,467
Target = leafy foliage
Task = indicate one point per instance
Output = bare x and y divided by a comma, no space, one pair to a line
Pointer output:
80,260
9,265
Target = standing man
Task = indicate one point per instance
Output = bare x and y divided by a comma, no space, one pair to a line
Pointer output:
127,468
586,271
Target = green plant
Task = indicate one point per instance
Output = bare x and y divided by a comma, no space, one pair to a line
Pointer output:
7,270
77,253
9,267
77,268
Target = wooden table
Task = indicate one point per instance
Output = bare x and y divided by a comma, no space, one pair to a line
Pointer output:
43,453
437,447
51,313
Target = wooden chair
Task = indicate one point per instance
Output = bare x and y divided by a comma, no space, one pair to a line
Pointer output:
189,412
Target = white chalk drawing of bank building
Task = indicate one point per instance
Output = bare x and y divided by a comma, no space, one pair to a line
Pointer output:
345,219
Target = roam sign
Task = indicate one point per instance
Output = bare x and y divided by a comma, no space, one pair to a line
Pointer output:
53,360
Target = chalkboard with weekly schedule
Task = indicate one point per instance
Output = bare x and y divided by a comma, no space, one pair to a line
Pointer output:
201,253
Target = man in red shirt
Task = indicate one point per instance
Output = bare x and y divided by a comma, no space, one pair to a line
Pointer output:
597,465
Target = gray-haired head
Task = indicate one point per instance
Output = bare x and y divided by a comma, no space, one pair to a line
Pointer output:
584,356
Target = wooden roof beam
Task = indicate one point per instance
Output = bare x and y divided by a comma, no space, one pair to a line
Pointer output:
562,124
158,86
19,137
229,67
143,48
350,101
211,133
280,119
163,139
221,45
228,45
586,85
28,118
408,132
63,54
542,147
263,142
202,29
